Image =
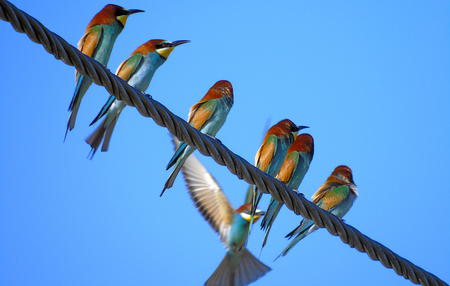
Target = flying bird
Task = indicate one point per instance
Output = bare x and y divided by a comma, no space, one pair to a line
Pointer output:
138,71
239,267
292,171
336,195
208,116
97,42
272,151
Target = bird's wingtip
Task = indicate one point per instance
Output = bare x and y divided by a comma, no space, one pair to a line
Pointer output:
67,132
276,258
91,154
291,234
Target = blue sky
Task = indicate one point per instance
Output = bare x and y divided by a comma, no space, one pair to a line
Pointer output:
371,79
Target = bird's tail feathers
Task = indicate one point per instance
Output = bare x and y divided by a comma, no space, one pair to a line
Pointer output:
301,228
102,133
256,197
104,109
181,147
269,213
270,216
237,270
293,232
82,86
305,228
72,118
249,195
179,163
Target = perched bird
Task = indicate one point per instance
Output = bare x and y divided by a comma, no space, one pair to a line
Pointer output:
208,116
239,266
294,168
138,71
336,195
272,151
97,42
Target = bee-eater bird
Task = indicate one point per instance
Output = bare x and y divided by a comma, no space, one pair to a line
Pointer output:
336,195
238,267
97,42
295,165
272,151
208,116
138,71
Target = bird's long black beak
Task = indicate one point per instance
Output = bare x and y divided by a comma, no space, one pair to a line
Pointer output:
300,127
134,11
180,42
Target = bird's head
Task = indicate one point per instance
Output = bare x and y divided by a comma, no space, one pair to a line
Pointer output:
220,89
121,14
111,13
344,173
161,47
224,87
285,127
303,143
246,212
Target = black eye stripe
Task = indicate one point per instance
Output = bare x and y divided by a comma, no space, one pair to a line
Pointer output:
121,13
163,45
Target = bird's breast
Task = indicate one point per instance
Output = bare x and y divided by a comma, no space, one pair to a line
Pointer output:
238,233
344,206
141,79
213,125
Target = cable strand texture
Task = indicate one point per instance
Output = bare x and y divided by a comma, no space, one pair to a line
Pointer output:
148,107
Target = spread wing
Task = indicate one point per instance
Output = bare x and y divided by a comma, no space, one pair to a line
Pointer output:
208,197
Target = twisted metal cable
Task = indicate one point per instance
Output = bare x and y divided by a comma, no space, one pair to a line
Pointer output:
148,107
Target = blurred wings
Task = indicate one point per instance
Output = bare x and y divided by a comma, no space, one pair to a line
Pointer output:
208,197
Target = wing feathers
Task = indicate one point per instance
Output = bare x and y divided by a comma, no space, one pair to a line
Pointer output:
200,113
288,167
208,197
333,197
130,66
265,153
90,41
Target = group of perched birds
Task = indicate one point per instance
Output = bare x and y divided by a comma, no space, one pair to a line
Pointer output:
283,154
